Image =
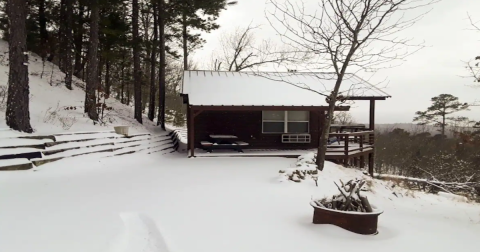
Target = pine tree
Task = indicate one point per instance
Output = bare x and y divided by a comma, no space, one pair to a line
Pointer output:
68,44
443,105
17,113
42,21
162,20
200,15
92,74
153,60
136,63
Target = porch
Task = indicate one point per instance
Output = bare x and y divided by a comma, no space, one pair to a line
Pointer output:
350,149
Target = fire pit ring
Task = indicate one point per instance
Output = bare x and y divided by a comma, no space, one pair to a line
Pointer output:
357,222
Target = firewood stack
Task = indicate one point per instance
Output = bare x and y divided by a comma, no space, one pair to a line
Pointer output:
349,198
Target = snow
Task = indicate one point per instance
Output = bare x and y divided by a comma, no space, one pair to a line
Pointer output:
451,196
16,161
139,234
268,89
76,137
13,151
48,103
140,201
13,142
223,136
376,210
95,142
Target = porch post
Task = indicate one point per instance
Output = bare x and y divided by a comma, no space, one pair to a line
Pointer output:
372,115
371,156
188,130
191,132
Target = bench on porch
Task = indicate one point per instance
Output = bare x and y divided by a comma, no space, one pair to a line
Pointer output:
223,142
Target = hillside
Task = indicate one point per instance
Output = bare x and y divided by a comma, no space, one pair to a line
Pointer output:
49,99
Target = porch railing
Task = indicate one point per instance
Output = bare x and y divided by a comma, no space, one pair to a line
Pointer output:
349,144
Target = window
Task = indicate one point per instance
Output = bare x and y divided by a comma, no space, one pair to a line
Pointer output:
285,121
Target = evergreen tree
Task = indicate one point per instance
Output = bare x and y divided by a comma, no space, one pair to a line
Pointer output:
136,63
17,113
443,105
200,15
92,74
153,60
68,43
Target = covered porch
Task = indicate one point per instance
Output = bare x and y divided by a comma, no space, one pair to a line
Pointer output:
274,114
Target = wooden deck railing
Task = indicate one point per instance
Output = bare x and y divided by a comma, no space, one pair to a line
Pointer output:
352,144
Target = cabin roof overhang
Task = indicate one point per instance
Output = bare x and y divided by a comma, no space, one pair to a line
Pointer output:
265,108
271,89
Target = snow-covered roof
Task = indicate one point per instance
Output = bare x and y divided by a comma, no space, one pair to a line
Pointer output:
214,88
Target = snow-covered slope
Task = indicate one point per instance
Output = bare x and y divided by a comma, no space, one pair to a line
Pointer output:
49,98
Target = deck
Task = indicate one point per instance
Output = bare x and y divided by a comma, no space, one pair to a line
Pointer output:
350,149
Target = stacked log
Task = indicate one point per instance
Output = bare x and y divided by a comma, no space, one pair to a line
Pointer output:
349,198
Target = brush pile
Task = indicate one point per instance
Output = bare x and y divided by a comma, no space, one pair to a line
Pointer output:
349,198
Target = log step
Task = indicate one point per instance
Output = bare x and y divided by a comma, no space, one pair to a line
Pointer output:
108,150
23,143
90,143
85,137
15,164
83,132
22,153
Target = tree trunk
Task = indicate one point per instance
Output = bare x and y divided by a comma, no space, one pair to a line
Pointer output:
78,42
185,38
161,85
153,59
137,85
62,35
122,91
17,114
107,78
92,76
68,44
444,115
322,147
128,93
42,21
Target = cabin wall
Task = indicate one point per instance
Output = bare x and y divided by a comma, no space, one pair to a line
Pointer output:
247,125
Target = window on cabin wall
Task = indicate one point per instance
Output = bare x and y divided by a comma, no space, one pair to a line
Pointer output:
285,121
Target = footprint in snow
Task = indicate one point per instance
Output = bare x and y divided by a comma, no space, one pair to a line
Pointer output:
139,234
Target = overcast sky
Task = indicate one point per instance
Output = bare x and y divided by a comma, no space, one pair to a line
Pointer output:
434,70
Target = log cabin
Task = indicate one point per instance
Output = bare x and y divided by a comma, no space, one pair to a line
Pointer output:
274,111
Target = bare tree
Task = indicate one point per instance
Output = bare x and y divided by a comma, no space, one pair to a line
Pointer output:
241,50
473,66
345,36
343,118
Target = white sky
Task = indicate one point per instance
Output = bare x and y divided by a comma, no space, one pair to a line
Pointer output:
434,70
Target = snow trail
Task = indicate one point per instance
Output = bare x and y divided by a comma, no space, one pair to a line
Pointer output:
140,234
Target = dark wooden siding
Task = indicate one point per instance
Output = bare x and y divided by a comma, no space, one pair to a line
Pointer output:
247,125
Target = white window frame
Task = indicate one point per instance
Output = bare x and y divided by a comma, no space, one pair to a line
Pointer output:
285,124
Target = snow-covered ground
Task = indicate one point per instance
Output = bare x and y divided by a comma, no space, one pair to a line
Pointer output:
146,203
49,97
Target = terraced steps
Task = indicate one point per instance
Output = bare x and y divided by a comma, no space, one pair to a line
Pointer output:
29,150
15,164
